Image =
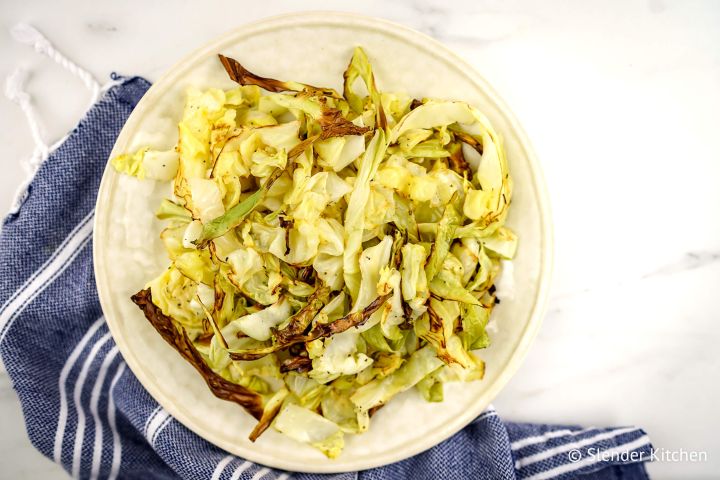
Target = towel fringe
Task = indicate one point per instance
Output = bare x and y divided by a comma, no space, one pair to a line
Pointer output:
15,91
29,35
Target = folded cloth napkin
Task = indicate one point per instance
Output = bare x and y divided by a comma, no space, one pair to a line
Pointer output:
85,410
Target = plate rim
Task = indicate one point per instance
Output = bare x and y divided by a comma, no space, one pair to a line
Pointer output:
538,308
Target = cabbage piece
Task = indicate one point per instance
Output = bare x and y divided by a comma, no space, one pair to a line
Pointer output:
219,357
307,426
265,238
331,236
376,340
386,363
448,282
243,76
486,272
380,391
330,269
276,193
474,321
392,314
301,176
267,148
457,373
130,164
270,411
169,210
436,113
395,105
335,187
477,230
263,368
263,162
197,266
467,251
303,242
301,320
337,407
281,137
263,286
244,262
437,327
450,186
443,240
437,188
341,356
222,246
433,148
306,391
173,240
205,199
230,187
228,304
458,163
503,243
202,109
405,218
247,96
372,260
431,388
339,152
296,288
257,325
228,157
153,164
488,205
309,198
191,233
256,119
312,193
380,210
355,214
395,176
174,293
410,138
161,165
266,105
413,278
334,309
360,67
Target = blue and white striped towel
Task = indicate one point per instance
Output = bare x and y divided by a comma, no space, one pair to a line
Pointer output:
85,410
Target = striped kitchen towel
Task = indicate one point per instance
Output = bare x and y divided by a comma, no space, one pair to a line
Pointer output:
85,410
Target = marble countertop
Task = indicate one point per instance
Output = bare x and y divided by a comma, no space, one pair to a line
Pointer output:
621,101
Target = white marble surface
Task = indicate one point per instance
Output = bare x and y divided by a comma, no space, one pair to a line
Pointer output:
621,100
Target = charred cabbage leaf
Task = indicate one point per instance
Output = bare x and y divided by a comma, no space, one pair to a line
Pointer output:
177,337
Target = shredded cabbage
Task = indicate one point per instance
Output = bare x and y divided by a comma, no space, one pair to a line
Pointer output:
327,251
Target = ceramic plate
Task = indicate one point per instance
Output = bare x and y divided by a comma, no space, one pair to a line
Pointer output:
315,49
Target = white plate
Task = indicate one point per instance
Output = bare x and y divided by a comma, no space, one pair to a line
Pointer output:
314,48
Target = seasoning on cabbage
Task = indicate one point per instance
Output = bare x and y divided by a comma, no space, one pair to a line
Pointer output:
327,251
